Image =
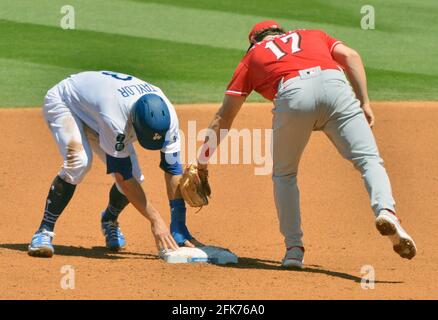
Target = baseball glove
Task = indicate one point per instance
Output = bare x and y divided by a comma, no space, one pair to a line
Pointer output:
194,186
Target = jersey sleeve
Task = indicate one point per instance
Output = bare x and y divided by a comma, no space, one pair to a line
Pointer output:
172,142
240,84
331,42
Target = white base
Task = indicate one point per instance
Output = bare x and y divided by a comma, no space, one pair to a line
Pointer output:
207,254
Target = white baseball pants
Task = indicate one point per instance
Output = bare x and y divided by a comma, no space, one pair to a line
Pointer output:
75,139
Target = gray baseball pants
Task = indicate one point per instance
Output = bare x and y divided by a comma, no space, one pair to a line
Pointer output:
321,100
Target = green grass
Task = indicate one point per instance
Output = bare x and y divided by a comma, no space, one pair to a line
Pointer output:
152,59
190,48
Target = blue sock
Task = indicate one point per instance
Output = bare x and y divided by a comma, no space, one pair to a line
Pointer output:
178,226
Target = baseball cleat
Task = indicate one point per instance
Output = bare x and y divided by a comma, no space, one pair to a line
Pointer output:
41,244
196,243
114,238
180,233
294,258
389,225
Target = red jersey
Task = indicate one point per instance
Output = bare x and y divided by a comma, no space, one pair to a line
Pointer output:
262,68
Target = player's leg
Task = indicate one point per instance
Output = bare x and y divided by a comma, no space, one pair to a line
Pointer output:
72,144
352,136
117,201
170,163
178,211
290,136
114,238
349,131
294,117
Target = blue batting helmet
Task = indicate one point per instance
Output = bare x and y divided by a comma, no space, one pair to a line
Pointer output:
151,121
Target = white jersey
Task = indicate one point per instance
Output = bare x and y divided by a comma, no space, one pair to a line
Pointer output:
103,101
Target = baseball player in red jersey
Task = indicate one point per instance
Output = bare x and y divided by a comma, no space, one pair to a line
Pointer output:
302,72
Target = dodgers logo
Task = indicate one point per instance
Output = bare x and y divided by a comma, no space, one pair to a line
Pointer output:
156,137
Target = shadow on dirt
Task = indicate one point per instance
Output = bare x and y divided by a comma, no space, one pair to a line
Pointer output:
252,263
93,252
244,263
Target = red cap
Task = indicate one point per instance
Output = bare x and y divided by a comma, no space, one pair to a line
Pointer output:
261,26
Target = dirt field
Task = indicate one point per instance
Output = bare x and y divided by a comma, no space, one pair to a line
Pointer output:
339,228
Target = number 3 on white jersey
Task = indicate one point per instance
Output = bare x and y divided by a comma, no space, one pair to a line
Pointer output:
295,45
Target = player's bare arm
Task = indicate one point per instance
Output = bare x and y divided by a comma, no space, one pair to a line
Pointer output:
223,119
172,185
195,186
135,194
351,61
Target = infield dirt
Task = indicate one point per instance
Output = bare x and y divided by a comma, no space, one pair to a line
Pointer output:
340,237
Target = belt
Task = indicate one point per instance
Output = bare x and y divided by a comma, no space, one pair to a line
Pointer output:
304,74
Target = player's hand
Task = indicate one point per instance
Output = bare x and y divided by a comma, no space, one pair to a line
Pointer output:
369,114
163,238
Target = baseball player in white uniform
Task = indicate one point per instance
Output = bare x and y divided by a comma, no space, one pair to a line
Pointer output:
106,112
